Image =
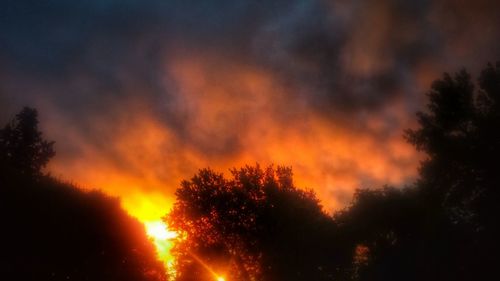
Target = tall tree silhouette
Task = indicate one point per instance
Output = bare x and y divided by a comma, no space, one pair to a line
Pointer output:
460,133
22,148
446,226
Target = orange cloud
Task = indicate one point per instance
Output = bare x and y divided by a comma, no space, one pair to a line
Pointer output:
234,114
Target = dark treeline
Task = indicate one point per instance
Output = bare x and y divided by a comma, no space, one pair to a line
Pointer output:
256,225
53,231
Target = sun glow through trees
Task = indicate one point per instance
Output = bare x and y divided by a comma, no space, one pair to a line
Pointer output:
158,230
163,240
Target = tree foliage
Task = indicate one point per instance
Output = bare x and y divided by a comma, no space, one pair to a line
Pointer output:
445,226
254,226
22,148
460,134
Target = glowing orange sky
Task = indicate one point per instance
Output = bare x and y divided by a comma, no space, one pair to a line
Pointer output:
139,95
246,103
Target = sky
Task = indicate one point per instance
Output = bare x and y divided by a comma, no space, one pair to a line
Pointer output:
139,94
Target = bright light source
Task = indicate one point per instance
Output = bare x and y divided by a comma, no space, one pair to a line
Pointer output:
158,230
220,278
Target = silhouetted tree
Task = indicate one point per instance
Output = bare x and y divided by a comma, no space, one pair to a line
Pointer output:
446,226
460,134
396,236
461,137
22,148
254,226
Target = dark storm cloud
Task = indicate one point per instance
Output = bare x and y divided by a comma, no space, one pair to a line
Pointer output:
87,58
320,44
350,56
108,43
94,66
50,34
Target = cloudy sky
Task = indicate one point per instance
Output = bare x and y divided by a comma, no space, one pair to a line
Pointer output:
141,94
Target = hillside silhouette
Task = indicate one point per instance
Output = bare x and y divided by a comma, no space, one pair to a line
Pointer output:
54,231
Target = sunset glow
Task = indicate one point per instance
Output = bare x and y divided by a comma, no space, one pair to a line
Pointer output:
330,156
249,140
163,241
158,230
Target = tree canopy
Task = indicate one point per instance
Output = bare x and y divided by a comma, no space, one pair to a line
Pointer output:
255,225
22,147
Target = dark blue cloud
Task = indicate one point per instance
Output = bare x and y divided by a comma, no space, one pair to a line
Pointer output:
339,57
47,35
